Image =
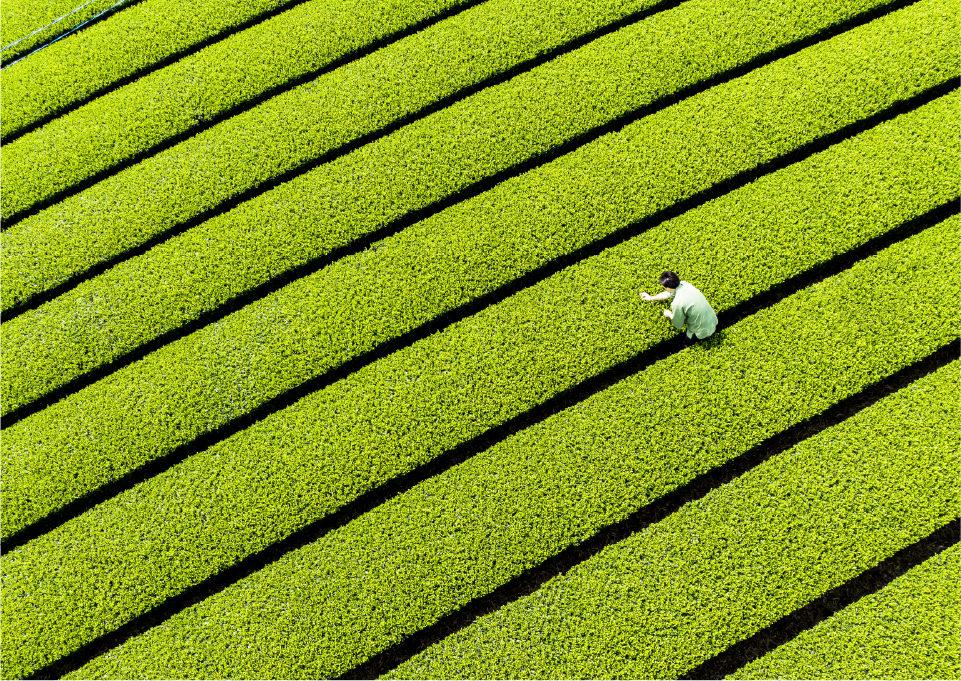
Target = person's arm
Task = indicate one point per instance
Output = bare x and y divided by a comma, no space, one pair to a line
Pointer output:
663,295
678,316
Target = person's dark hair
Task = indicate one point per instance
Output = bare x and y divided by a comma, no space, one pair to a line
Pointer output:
669,279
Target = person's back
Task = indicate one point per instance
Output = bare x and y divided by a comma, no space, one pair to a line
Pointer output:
691,308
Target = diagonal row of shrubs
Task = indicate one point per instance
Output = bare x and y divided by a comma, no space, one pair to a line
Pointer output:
320,610
908,629
172,100
28,24
299,124
251,149
74,69
231,367
721,568
155,293
297,466
395,177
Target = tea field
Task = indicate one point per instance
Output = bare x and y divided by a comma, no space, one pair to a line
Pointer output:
323,351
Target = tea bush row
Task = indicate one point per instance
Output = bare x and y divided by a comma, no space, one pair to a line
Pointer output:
906,630
392,178
75,68
322,609
300,124
725,566
201,269
211,377
300,464
27,25
196,88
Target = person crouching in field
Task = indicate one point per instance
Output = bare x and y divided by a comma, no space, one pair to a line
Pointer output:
689,306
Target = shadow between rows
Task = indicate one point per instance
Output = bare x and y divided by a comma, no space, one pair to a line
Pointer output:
806,617
236,110
436,324
147,70
484,183
327,157
356,246
89,23
460,453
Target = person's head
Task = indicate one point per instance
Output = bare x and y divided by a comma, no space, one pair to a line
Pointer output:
669,279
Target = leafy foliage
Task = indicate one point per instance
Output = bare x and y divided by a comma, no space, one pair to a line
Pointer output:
794,527
607,184
174,395
70,70
673,595
250,149
207,82
298,465
26,24
425,162
317,611
199,270
907,630
348,103
327,112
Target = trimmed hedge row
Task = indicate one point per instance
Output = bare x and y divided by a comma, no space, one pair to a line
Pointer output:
191,274
252,148
421,164
21,19
301,464
198,87
75,68
211,377
907,630
677,593
256,146
320,610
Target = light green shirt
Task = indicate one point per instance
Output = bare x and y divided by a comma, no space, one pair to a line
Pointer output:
691,307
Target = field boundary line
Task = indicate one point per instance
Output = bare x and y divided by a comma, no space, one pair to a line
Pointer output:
654,512
473,189
339,151
116,8
219,37
464,451
828,604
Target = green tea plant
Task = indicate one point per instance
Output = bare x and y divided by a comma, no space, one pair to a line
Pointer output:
336,108
29,24
72,70
195,272
410,170
227,369
455,537
908,629
671,596
296,466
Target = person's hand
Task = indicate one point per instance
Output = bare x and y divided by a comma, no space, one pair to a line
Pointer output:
646,296
668,314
